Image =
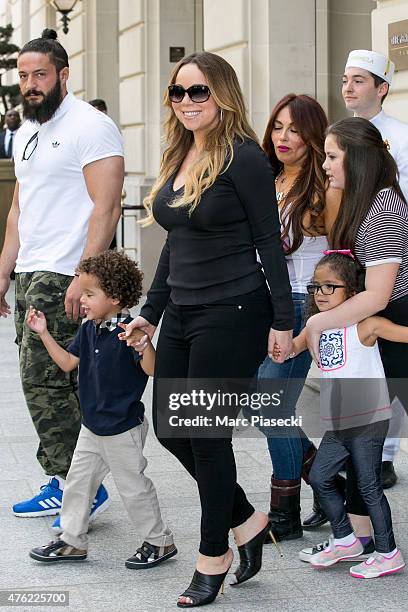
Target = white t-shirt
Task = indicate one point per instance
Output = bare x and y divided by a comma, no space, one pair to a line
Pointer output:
302,262
55,206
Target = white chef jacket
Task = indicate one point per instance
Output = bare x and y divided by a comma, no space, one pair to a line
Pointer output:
396,134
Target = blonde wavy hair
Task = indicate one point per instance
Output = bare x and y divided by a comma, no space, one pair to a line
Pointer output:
218,147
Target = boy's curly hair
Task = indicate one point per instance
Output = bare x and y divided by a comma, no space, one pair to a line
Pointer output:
117,274
349,270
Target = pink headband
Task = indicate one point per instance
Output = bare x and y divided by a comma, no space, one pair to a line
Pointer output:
341,251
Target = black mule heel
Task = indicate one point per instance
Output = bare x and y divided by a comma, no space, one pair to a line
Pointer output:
250,555
203,589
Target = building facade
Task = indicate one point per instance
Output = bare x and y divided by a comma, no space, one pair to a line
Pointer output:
124,50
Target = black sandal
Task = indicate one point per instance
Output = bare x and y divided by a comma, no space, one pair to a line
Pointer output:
250,555
203,589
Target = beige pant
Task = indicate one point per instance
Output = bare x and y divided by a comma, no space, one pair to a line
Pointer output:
122,455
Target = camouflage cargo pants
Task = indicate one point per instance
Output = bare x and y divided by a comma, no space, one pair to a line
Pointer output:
50,393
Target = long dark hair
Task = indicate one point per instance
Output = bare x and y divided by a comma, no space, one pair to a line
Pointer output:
368,168
307,193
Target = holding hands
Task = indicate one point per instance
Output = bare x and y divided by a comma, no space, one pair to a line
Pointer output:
298,345
279,344
276,352
137,333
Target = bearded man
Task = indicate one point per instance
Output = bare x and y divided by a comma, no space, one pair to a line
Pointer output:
66,205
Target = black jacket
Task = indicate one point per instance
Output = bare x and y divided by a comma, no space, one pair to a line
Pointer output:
3,154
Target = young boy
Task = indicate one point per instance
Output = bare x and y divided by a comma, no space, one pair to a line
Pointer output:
112,379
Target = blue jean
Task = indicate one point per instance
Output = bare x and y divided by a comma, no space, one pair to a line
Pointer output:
363,446
287,452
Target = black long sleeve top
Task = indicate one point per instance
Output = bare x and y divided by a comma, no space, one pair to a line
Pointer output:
211,254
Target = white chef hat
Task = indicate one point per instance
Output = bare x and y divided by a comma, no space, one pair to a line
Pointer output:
374,62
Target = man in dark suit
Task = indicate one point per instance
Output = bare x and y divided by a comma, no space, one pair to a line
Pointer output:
12,122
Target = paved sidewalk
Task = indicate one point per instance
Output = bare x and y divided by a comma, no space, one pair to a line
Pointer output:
103,583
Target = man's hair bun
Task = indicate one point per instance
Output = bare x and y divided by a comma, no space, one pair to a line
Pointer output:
49,34
48,44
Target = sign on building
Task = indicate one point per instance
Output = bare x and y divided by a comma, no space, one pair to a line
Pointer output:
398,44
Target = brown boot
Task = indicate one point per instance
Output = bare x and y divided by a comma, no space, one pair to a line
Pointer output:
307,463
284,514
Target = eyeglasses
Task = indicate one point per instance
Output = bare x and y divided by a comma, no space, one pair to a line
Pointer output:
30,147
329,289
196,93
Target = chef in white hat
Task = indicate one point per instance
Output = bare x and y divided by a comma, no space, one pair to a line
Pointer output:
366,80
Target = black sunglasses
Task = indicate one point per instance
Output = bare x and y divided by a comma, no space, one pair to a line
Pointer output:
329,289
30,147
196,93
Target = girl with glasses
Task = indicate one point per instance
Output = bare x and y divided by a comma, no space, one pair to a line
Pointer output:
355,414
307,205
215,198
373,223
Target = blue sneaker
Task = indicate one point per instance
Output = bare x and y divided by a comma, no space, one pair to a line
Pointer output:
46,503
100,504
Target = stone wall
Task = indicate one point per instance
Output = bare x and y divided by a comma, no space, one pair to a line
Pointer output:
119,51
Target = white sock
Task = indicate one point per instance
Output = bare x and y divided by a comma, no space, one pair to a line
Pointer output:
389,554
61,482
346,541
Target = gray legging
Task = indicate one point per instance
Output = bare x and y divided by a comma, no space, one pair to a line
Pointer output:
361,446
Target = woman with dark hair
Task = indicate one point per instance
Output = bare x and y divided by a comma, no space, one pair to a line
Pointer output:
373,224
215,197
293,142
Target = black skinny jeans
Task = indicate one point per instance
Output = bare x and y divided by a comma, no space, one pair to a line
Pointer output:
394,356
227,339
361,446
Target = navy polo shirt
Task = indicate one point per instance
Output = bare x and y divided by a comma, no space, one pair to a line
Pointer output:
111,380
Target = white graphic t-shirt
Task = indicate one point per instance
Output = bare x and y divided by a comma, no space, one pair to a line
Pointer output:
54,202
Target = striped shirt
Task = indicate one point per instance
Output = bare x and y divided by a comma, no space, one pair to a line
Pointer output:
383,237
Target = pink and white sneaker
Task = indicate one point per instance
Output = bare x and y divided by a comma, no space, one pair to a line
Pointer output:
377,566
333,553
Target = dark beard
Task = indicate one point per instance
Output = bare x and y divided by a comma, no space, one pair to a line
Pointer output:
46,109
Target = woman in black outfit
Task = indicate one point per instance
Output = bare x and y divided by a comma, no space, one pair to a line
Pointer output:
215,196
